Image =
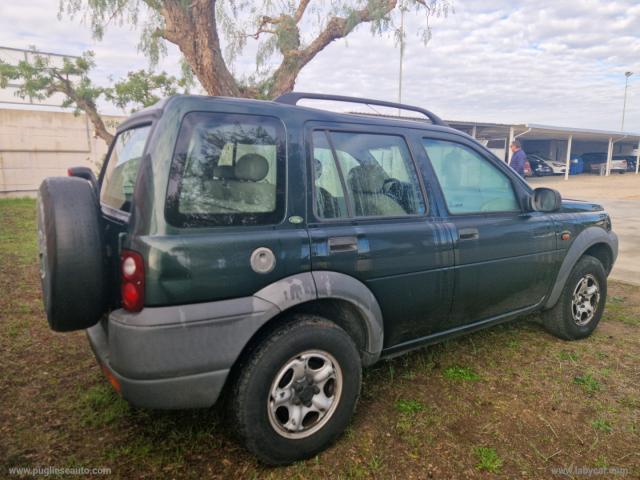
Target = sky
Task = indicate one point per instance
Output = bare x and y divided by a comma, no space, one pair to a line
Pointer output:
530,61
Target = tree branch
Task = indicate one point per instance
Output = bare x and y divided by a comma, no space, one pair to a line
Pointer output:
338,27
300,10
65,87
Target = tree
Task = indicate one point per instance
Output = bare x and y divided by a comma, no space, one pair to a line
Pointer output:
40,79
289,32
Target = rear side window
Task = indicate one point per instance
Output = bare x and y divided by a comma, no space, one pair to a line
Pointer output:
227,170
122,168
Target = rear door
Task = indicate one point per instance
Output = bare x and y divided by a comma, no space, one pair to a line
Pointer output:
233,186
504,257
369,217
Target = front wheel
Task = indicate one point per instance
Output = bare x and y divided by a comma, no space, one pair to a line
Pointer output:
298,390
581,304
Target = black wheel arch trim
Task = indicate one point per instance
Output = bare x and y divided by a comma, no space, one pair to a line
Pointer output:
586,239
305,287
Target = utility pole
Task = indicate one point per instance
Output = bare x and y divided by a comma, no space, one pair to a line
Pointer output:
401,53
624,105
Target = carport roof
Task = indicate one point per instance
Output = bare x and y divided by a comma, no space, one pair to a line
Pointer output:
549,131
540,131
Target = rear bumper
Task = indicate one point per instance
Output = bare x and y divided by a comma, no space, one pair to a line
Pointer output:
177,357
187,391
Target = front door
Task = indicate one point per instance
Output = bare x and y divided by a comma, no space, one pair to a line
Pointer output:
369,218
504,256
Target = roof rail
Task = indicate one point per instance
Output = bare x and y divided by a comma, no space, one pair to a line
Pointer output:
292,98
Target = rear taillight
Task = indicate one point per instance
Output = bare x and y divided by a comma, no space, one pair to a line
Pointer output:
132,280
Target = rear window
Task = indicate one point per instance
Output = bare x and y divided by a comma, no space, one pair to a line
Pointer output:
122,168
227,169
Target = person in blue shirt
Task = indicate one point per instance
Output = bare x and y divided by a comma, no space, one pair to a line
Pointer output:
518,158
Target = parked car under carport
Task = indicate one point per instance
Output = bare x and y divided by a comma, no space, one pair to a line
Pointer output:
539,167
630,159
557,168
594,162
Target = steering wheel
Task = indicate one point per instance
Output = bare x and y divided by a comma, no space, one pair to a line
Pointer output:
392,187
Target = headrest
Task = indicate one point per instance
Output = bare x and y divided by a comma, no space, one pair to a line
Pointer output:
367,178
251,166
224,171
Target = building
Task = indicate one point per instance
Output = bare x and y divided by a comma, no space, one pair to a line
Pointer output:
35,144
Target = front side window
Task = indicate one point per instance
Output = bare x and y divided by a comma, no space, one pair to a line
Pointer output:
469,182
122,168
373,176
227,170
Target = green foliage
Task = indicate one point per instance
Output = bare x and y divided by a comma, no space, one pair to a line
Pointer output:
282,30
144,88
39,78
588,383
602,424
488,459
568,356
409,406
461,373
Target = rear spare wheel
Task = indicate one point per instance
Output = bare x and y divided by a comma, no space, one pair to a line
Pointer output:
70,251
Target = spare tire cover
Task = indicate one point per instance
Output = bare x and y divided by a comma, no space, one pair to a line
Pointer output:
71,253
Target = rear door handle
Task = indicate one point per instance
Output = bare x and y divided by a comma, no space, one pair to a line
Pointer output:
468,234
343,244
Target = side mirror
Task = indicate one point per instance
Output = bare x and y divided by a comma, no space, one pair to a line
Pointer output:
84,172
545,200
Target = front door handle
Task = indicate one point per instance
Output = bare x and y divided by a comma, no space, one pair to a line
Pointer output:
468,234
343,244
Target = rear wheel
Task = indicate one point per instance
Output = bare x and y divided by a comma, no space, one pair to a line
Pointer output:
581,303
298,391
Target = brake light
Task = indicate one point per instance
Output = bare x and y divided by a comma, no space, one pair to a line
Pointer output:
132,280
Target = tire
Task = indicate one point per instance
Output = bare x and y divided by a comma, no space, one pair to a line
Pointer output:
70,253
562,320
265,430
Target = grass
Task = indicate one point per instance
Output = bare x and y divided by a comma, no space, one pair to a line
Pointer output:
461,373
409,406
568,356
507,402
488,459
588,383
602,424
100,405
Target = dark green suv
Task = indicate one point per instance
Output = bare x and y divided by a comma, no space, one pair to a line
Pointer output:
273,250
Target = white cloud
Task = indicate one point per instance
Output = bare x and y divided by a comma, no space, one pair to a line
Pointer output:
543,61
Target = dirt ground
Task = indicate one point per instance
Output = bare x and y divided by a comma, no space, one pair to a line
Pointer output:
583,187
508,402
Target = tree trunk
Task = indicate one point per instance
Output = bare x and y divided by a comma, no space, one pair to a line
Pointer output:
193,29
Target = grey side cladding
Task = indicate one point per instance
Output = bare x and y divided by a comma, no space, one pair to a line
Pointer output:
289,291
344,287
581,244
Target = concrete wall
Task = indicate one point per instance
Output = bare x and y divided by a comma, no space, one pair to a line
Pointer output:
35,144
